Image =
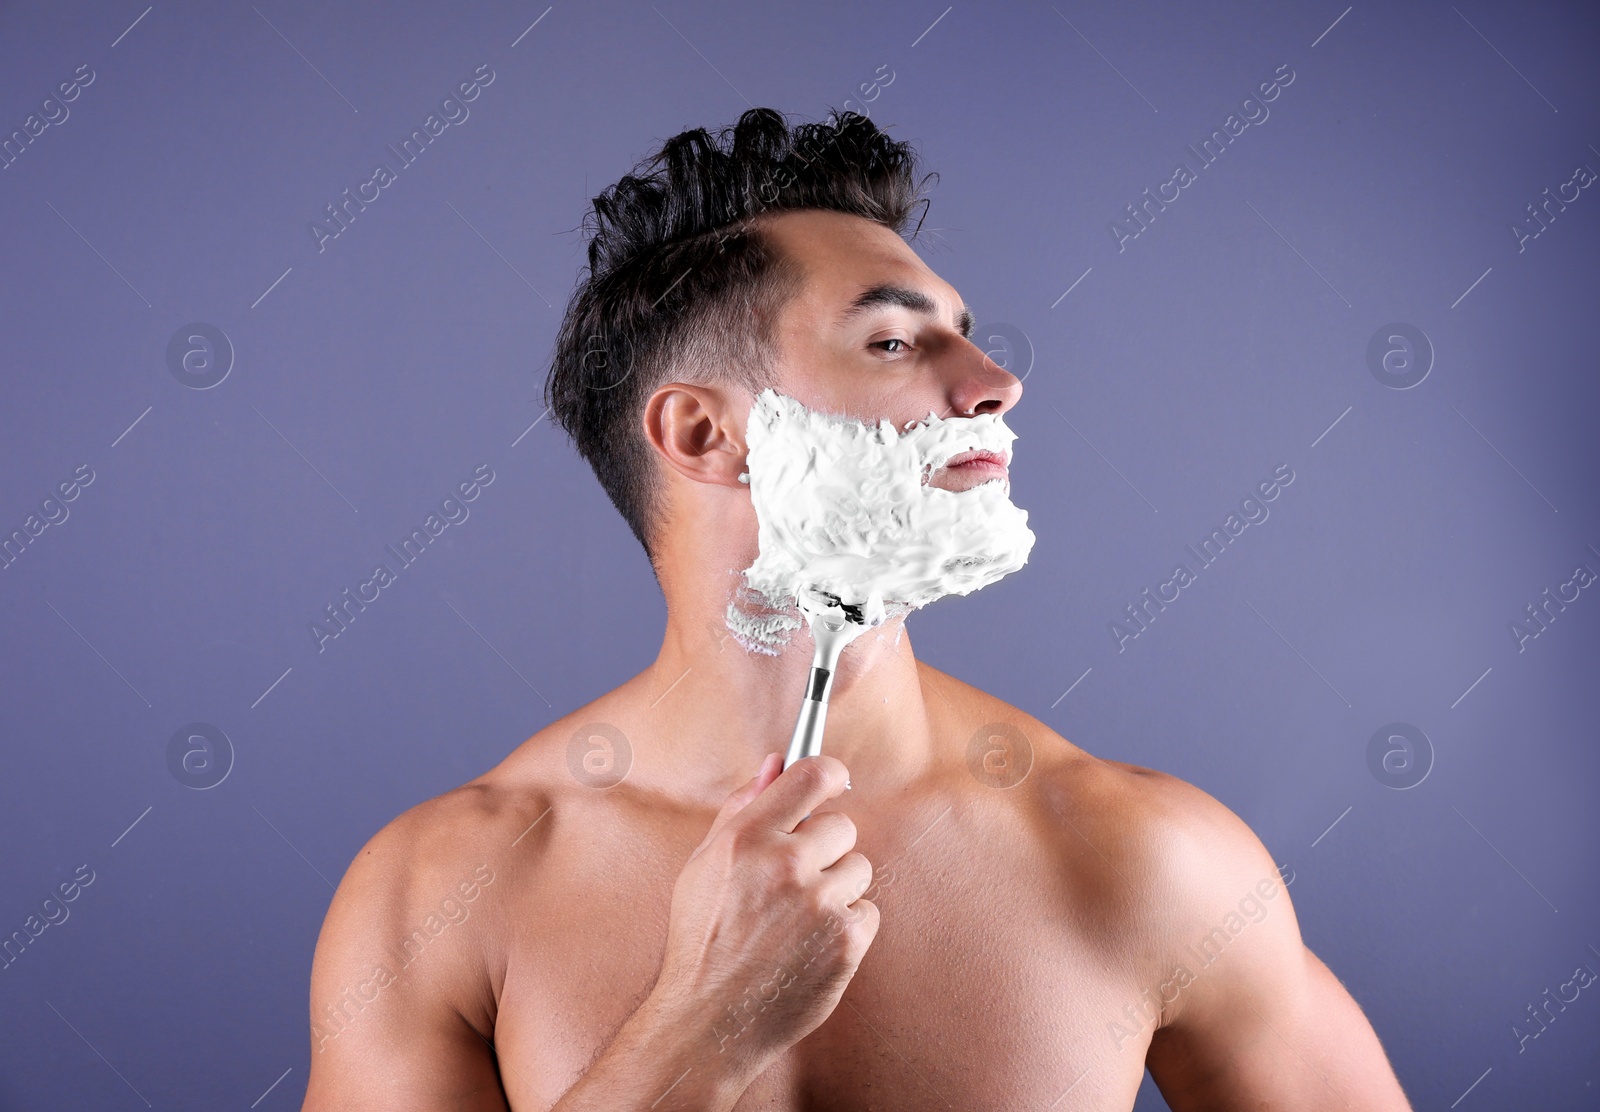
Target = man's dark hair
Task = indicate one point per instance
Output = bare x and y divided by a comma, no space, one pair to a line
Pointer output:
683,284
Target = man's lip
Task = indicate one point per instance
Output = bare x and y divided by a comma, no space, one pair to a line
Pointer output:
981,457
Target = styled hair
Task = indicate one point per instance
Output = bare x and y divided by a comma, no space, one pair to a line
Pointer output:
683,283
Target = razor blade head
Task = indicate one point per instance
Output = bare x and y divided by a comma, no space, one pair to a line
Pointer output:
834,613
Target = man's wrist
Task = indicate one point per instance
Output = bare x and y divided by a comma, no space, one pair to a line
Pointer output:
698,1070
666,1057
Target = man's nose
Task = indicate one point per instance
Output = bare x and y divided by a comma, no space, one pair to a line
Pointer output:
977,384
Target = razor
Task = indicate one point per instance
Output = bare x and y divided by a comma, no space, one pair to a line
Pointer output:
834,624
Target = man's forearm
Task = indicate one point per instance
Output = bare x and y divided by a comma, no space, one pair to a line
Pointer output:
662,1060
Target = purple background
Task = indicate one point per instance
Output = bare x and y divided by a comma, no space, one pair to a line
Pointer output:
378,373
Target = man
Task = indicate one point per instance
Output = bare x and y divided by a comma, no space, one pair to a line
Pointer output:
1032,931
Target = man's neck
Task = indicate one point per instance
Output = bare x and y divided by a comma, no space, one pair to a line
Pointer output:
710,709
715,708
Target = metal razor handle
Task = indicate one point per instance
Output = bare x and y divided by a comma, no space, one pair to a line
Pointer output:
807,738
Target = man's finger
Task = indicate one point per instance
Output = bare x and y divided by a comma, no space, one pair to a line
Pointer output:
800,788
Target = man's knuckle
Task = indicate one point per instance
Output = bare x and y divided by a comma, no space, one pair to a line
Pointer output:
741,839
823,908
863,925
813,770
835,768
790,867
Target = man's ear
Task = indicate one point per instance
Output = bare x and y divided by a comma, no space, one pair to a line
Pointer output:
695,429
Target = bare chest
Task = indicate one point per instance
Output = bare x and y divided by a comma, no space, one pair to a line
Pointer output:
984,988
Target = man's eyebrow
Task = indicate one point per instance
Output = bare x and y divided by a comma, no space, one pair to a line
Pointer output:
906,298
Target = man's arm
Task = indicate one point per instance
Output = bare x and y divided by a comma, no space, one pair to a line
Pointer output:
386,1032
388,993
402,1000
1252,1018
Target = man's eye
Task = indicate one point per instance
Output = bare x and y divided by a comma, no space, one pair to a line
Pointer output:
891,340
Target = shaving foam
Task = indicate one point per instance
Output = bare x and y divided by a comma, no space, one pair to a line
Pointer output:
843,507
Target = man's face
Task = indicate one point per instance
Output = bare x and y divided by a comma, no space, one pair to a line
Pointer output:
873,333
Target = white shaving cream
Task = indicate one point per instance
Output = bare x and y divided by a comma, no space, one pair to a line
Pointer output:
843,506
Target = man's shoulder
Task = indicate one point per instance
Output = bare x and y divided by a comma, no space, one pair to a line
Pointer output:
427,900
1163,851
1184,857
495,816
477,819
1115,796
487,819
418,866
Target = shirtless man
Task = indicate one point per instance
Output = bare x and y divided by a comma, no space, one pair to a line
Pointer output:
632,910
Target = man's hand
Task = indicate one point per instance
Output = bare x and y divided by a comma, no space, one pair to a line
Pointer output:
768,924
766,929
